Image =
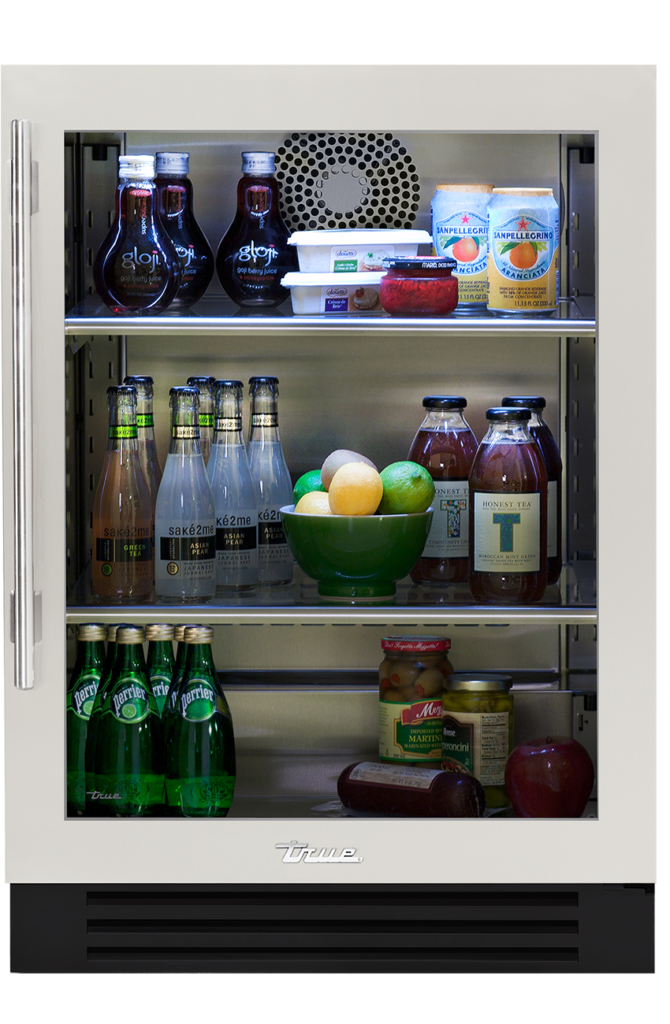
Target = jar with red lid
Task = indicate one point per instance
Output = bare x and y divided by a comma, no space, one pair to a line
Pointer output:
419,286
411,681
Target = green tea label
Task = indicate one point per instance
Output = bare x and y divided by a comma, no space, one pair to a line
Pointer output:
80,698
198,701
480,742
410,732
201,793
126,432
145,419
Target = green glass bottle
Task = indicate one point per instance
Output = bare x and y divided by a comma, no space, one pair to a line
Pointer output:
160,660
129,773
199,741
178,672
105,677
81,692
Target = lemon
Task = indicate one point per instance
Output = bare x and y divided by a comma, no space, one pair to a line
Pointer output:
314,503
307,482
355,490
408,487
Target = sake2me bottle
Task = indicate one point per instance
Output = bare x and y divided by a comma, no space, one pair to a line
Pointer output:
185,520
146,441
122,510
81,693
234,494
205,386
136,269
176,206
272,481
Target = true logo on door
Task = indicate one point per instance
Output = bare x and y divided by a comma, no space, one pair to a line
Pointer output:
302,853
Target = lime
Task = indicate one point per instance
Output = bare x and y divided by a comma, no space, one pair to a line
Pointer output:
307,482
408,487
129,711
87,708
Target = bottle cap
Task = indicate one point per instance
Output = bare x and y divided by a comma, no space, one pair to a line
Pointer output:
258,163
159,631
229,385
203,384
111,632
144,386
255,383
179,631
137,168
508,415
130,635
444,402
484,682
91,631
172,163
416,644
198,635
525,401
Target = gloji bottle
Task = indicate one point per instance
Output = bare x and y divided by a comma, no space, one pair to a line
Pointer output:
272,480
199,739
136,269
122,510
185,523
234,494
176,206
81,693
538,429
446,446
508,513
128,758
254,254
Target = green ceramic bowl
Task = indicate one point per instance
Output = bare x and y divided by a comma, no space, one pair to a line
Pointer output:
356,557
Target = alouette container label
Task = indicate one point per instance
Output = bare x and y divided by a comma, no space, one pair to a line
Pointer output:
507,532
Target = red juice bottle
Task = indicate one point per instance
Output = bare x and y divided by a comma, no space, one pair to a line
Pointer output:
552,460
254,254
508,513
446,446
136,269
176,208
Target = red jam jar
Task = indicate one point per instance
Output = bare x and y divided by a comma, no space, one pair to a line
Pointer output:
419,285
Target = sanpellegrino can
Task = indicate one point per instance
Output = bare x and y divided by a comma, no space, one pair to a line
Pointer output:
199,741
160,660
129,757
81,693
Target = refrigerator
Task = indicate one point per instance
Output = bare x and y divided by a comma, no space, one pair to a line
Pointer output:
291,880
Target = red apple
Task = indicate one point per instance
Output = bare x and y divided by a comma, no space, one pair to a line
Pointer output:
550,777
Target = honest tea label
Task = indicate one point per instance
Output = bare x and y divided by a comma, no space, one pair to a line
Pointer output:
410,732
394,775
507,532
552,519
478,742
450,528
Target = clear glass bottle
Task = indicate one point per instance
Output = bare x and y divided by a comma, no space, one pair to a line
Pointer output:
446,446
129,765
552,460
160,660
254,254
199,740
508,513
122,510
176,206
136,269
205,386
81,693
146,440
185,520
272,481
234,493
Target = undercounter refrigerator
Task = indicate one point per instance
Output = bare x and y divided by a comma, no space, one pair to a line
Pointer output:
329,531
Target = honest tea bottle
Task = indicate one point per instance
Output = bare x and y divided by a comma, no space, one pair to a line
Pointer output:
122,510
136,270
81,693
234,494
446,446
508,513
129,760
254,254
160,660
538,429
185,522
176,206
199,741
272,481
205,386
146,440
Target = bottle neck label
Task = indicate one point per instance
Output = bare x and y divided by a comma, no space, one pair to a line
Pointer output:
264,419
223,424
182,433
206,419
126,432
145,419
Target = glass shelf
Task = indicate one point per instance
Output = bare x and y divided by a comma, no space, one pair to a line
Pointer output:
216,314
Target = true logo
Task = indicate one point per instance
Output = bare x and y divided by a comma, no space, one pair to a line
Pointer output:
301,853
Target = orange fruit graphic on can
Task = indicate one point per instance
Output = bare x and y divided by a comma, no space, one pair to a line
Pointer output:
523,236
459,225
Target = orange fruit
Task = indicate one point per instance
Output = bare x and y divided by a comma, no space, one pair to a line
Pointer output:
523,256
466,250
314,503
355,490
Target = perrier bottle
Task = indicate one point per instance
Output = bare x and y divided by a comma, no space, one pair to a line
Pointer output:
199,742
178,671
160,660
129,774
80,697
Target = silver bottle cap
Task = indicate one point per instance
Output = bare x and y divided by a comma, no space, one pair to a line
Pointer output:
258,163
130,635
159,631
172,163
91,631
198,635
137,168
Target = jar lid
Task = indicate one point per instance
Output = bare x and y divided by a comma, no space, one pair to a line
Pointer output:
419,263
159,631
465,188
483,682
525,401
523,191
508,415
416,644
444,402
91,631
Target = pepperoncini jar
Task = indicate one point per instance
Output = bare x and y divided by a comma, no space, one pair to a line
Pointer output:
411,680
478,730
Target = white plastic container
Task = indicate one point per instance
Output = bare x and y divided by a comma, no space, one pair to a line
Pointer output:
334,293
351,251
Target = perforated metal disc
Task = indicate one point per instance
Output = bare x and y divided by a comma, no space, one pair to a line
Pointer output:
346,180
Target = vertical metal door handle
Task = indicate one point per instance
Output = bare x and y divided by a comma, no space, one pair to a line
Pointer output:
24,597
